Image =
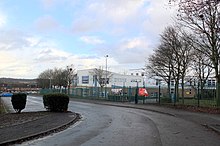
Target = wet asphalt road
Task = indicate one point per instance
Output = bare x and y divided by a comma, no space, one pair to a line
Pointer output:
103,125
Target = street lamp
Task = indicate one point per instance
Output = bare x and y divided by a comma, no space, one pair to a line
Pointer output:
136,93
158,81
69,78
106,76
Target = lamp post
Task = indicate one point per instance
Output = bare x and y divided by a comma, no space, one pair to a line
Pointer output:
69,78
106,76
158,81
50,83
136,93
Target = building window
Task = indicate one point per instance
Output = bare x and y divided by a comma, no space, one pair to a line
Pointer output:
172,83
172,91
213,83
119,79
209,83
85,79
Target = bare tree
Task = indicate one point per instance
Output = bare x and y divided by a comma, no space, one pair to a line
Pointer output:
56,77
186,56
159,64
203,19
171,59
202,68
70,72
171,38
45,78
101,76
60,78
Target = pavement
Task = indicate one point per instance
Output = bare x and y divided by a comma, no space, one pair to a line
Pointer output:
53,123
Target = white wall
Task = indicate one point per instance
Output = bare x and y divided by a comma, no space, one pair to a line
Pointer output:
115,79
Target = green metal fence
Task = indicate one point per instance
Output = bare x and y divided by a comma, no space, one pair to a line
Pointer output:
127,94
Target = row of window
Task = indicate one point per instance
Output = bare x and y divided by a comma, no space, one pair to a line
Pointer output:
85,80
210,83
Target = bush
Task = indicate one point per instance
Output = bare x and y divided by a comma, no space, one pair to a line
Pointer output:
56,102
19,101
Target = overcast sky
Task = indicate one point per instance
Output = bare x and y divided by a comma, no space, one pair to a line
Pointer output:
36,35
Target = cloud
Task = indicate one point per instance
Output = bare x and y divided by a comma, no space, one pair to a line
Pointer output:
50,5
127,51
47,3
13,40
2,19
133,50
133,43
125,30
51,55
46,23
86,24
94,40
37,54
98,15
159,15
25,56
116,11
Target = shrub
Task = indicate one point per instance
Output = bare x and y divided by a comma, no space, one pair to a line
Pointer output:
19,101
56,102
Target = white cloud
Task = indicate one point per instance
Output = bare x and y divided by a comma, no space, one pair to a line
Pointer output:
13,40
126,27
97,15
94,40
117,11
138,42
127,51
29,60
159,15
25,56
86,24
46,23
2,19
50,55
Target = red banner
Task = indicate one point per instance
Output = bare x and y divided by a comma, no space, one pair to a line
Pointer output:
142,92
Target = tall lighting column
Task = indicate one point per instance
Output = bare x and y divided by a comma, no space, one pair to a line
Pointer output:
106,76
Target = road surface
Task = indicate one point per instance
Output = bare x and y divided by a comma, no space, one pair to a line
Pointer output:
103,125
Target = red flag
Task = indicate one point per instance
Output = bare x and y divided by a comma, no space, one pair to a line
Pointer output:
142,92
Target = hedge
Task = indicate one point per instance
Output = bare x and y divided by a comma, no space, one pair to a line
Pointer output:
56,102
19,101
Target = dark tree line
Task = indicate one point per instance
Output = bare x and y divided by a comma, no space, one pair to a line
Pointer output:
56,78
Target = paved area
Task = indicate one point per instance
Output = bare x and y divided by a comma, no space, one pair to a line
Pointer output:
54,121
211,121
32,129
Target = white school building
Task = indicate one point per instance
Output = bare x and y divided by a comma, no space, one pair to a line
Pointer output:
86,78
